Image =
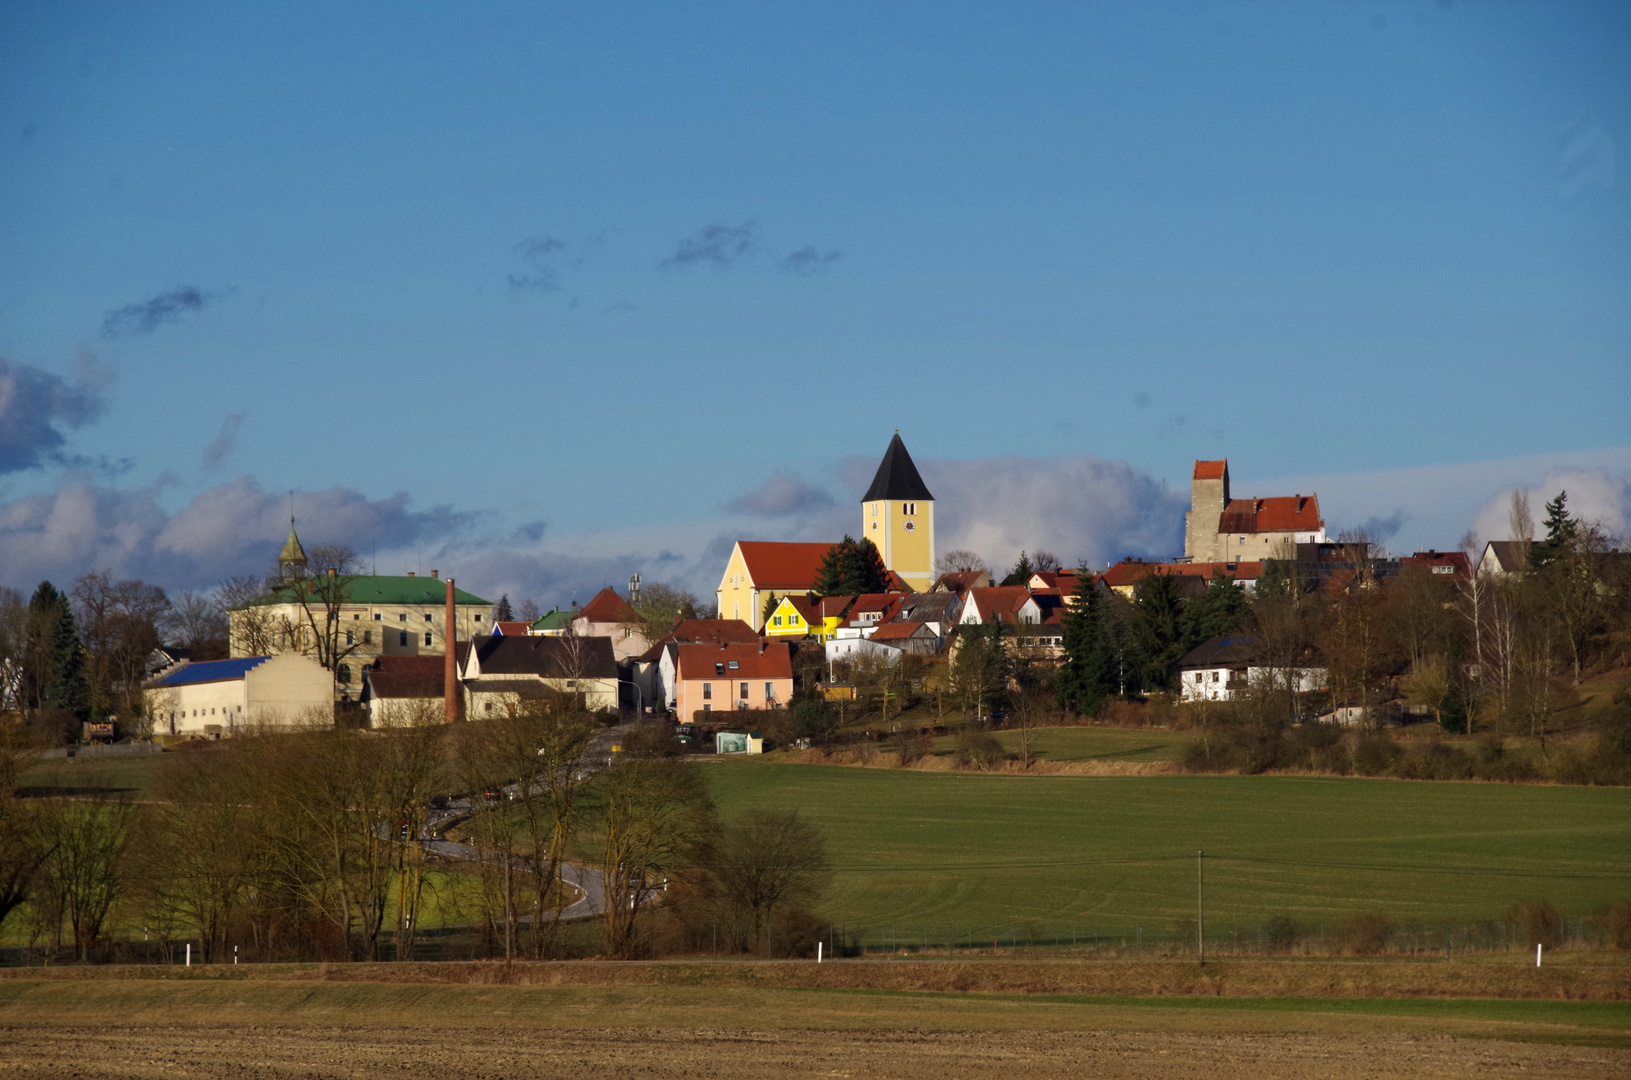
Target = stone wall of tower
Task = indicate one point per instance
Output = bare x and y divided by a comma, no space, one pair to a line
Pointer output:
1207,499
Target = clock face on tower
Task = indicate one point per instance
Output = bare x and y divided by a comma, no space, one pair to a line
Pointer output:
911,526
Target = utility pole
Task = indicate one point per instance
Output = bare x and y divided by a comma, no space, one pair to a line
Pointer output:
1200,906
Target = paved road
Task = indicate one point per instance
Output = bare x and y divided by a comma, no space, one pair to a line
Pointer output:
590,882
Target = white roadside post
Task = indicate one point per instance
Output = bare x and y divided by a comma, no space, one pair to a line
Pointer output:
819,944
189,954
1537,954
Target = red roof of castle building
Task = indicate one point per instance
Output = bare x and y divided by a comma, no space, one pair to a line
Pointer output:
1285,513
753,661
776,564
607,606
1211,470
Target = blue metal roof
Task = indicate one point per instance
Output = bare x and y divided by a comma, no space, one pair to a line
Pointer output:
213,671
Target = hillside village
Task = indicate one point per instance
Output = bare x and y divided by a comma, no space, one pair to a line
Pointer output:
1261,602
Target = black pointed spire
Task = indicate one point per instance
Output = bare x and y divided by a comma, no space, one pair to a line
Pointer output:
897,477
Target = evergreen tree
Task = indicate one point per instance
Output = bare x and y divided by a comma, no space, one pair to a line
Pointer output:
502,612
1022,571
851,567
1561,530
54,674
1088,675
1218,612
1156,630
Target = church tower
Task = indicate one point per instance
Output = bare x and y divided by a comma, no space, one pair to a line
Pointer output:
897,515
291,561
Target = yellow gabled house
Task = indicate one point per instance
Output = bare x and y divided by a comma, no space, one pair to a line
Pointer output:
792,617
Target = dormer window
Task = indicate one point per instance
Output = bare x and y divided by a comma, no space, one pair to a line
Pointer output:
719,668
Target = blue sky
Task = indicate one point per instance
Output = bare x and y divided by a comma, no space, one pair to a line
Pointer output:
543,290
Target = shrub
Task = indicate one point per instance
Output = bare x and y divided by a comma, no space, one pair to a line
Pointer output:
1433,761
911,746
1372,754
1364,933
978,749
1282,933
1615,925
1536,922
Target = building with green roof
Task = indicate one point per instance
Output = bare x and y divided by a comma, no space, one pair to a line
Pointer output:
351,619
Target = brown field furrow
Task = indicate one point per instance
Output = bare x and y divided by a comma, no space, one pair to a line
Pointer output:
173,1051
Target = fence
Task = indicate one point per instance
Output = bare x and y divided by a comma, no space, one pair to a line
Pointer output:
1234,939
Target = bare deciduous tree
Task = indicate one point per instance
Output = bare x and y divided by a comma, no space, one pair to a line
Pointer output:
768,860
958,561
656,821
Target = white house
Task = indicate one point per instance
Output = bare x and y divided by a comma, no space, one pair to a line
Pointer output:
1219,667
216,698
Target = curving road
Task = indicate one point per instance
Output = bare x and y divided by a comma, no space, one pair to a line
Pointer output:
591,883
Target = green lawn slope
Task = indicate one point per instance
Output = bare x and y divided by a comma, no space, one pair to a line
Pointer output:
928,851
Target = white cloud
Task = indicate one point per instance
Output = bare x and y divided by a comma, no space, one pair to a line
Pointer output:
1595,496
1434,505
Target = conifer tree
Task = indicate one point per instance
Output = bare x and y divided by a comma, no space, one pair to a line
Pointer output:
54,674
1087,676
1022,571
1561,530
851,567
1219,611
1156,630
502,612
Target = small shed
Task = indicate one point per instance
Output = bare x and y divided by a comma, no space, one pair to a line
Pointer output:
739,742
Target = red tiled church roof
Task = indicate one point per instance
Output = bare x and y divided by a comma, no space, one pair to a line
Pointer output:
782,565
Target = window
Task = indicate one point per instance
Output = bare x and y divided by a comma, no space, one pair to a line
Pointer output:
367,637
478,618
356,615
402,638
402,616
908,508
378,616
719,668
350,637
1242,541
735,664
744,691
427,616
707,691
427,637
770,691
776,620
707,708
874,509
344,673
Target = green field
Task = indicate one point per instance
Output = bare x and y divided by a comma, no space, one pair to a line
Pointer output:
1088,744
927,851
128,774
